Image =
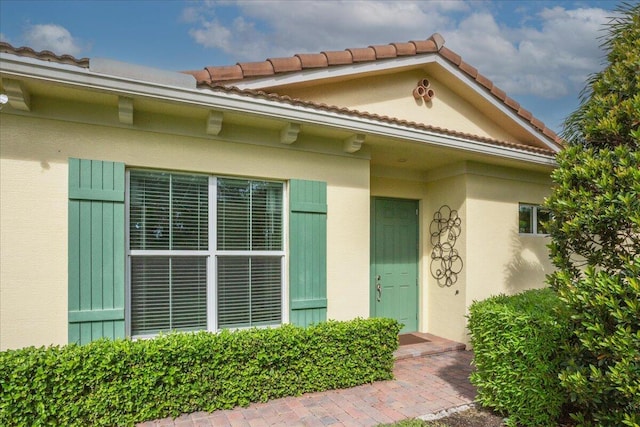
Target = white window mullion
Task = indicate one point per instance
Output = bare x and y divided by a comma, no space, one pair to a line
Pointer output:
250,216
212,264
127,291
250,253
170,293
251,321
170,212
285,250
175,254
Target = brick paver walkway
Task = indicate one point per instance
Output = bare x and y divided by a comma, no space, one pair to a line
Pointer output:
422,385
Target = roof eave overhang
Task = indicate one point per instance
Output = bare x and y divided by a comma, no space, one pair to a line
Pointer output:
13,66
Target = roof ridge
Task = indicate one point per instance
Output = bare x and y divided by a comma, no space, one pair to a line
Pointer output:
302,61
45,55
373,116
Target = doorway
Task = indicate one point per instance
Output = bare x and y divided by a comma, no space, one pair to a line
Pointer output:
394,261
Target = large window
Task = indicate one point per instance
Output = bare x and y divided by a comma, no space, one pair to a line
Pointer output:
532,219
204,252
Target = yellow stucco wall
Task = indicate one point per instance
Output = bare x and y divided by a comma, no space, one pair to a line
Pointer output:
33,204
33,210
446,305
517,262
393,96
33,252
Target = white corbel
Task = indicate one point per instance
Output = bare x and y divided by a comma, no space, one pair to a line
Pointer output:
125,110
353,143
289,133
214,122
19,97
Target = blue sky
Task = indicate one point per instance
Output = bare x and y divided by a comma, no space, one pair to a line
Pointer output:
539,52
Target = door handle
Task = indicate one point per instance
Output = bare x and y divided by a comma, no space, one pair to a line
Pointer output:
378,288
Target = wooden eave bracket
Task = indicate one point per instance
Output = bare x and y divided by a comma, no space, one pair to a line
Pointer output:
289,133
353,143
125,110
214,122
18,95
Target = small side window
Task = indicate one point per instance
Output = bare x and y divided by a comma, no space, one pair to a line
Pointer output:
532,219
525,219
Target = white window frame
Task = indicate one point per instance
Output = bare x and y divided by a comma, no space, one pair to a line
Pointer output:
212,254
534,219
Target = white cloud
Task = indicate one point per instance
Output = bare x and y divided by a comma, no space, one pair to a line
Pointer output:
52,37
4,38
550,60
283,28
548,53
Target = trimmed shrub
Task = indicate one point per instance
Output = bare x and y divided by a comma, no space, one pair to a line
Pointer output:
123,382
517,356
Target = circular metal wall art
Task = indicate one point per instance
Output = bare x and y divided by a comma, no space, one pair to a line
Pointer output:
446,262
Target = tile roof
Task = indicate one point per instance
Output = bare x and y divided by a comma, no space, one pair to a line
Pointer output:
376,117
44,55
434,44
230,74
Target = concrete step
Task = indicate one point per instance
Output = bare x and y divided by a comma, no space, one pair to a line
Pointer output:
433,345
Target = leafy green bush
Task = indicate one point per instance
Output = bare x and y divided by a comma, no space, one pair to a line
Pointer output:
123,382
596,248
595,231
603,375
516,353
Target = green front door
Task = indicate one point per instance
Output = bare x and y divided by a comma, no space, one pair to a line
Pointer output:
394,261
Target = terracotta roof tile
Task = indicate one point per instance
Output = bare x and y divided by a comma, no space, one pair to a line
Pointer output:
371,116
283,65
363,54
425,46
251,69
451,55
484,81
512,103
384,51
338,57
537,123
467,68
499,93
201,75
405,49
44,55
551,134
437,39
226,72
525,114
313,60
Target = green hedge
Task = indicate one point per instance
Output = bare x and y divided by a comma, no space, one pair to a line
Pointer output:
517,353
123,382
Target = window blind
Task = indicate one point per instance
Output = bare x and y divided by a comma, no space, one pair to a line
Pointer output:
249,215
168,211
249,291
168,293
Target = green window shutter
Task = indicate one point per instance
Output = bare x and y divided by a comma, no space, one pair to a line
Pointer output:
96,250
308,252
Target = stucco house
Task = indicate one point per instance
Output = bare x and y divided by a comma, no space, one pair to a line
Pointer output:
391,180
